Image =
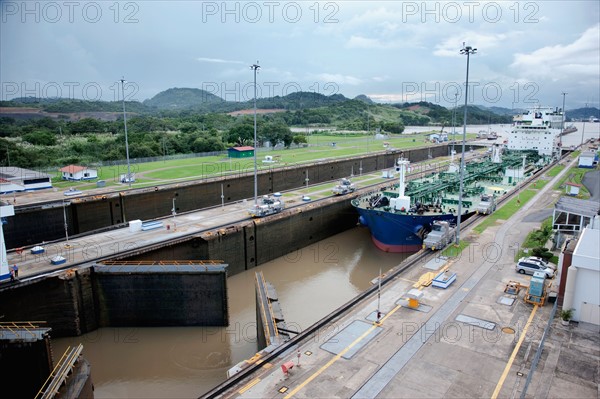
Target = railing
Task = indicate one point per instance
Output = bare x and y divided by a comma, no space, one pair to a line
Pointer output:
539,351
12,326
60,373
160,262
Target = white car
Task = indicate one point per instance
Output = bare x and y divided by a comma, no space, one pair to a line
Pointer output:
539,261
525,266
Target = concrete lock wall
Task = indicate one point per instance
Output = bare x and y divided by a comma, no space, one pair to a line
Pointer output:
82,301
102,211
254,242
65,303
24,366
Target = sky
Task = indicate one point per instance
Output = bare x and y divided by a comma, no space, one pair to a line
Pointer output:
528,52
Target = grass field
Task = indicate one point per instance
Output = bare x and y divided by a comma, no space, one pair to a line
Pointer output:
507,210
321,148
574,175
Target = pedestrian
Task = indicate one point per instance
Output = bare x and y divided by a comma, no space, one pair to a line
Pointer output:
12,275
16,271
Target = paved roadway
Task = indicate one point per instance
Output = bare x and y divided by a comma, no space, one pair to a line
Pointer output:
437,351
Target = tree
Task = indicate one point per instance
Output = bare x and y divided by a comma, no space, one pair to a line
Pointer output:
242,132
276,133
299,139
40,137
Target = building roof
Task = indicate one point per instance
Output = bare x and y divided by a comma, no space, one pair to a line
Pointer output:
244,148
588,249
73,168
588,154
572,184
578,206
14,173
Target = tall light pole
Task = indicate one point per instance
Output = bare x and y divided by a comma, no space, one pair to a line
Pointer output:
583,129
125,123
255,67
66,225
562,125
174,212
454,123
468,50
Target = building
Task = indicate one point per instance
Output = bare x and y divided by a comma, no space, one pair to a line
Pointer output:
582,286
587,159
76,172
19,179
572,188
7,186
241,152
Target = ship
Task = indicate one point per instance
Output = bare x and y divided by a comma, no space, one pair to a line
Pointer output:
399,218
569,129
537,129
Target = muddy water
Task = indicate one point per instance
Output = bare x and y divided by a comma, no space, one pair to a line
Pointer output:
186,362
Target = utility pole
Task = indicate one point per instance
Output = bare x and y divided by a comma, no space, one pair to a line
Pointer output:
468,50
583,130
562,127
255,67
125,123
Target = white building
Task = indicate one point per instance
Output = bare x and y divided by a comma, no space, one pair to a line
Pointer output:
582,291
76,172
19,179
586,159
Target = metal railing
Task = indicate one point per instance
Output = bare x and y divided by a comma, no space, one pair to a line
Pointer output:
60,373
27,326
539,351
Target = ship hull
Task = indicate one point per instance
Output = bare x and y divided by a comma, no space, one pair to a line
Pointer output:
399,233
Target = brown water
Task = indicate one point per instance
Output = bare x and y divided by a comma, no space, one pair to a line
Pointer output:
188,361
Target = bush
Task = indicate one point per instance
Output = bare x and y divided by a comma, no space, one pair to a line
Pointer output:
566,314
542,253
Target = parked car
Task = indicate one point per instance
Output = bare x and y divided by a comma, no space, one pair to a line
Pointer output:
538,260
530,267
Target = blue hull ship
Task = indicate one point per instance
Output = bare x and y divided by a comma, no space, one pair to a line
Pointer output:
399,219
392,232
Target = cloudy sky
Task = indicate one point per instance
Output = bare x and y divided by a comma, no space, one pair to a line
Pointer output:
528,52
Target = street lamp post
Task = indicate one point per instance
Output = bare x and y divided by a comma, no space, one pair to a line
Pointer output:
562,127
454,124
583,130
255,67
174,212
468,50
67,245
126,141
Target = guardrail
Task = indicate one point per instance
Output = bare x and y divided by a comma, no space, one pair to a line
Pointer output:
60,373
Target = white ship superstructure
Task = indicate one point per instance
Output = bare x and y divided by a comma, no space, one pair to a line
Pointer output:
537,129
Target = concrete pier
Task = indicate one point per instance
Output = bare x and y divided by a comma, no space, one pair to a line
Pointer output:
270,323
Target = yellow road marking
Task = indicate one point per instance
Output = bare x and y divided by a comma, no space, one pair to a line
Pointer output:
249,385
339,355
513,355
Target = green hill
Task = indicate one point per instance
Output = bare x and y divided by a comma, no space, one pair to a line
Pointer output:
182,98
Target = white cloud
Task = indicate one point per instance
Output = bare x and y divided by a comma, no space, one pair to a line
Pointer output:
338,78
387,97
219,61
577,59
452,45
